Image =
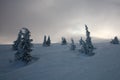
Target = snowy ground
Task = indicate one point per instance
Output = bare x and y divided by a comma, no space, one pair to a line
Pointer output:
60,63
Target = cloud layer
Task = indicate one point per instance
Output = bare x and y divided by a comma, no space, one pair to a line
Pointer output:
59,18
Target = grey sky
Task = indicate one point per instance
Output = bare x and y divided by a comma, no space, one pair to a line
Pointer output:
59,18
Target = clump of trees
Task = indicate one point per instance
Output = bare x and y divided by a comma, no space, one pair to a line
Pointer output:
87,46
46,42
64,41
115,40
23,46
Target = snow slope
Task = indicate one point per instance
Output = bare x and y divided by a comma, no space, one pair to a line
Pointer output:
58,62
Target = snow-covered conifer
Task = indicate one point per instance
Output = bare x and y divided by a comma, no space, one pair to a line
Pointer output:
44,42
115,40
24,47
81,41
73,46
83,47
64,42
87,46
88,38
16,43
48,41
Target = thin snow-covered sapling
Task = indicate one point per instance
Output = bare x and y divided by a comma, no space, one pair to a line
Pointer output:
73,46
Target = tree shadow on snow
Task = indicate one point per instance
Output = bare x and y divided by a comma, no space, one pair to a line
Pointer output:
20,64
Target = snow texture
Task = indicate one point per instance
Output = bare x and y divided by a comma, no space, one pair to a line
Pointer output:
58,62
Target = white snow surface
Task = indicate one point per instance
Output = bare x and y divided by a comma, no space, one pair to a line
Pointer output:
58,62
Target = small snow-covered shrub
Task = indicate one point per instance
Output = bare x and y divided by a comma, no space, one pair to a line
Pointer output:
115,40
64,42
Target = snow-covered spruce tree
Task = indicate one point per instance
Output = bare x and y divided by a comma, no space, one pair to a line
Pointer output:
73,46
44,42
88,39
24,47
83,46
16,43
64,42
86,46
115,40
81,41
48,43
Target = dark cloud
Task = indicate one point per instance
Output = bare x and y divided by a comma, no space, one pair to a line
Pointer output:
58,18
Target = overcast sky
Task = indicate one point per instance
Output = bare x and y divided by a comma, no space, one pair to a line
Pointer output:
59,18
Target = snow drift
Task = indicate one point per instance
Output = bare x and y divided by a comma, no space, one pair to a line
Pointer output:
58,62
